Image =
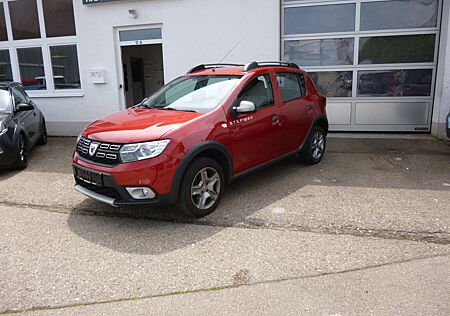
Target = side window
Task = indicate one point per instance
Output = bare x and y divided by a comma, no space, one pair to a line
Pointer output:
301,79
259,91
18,96
289,85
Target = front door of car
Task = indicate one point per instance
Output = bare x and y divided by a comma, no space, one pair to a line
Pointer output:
28,119
255,136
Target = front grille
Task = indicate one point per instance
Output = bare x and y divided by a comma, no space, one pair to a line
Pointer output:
106,191
105,154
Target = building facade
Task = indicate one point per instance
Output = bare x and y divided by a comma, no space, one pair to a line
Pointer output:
384,65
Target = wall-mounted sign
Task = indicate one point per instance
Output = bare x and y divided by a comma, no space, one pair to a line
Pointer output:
97,1
97,76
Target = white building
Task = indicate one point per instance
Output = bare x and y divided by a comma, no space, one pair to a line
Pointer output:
383,64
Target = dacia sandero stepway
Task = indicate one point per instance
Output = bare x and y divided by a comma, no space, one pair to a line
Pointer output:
184,144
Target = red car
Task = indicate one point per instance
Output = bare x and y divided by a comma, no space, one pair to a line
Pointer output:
184,144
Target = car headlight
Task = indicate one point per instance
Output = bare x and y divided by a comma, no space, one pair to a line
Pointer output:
3,128
141,151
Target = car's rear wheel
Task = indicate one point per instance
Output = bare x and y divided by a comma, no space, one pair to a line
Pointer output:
21,153
44,138
201,188
315,145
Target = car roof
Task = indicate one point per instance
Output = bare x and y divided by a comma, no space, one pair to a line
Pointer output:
8,83
237,69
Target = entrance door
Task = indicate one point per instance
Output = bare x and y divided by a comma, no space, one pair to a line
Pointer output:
137,79
141,57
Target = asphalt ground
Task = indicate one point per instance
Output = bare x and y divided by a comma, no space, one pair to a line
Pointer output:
366,231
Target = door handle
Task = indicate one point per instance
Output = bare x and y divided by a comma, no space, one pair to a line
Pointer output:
309,108
276,120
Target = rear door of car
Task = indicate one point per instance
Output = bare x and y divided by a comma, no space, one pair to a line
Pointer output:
29,119
297,108
256,136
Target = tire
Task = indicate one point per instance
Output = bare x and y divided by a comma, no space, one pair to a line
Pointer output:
44,138
315,145
21,153
197,199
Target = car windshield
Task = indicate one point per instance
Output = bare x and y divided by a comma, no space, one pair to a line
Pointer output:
5,100
193,93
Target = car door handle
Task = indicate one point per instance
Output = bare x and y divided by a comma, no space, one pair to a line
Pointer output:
309,108
276,120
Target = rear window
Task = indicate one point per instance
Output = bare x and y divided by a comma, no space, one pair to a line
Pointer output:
290,86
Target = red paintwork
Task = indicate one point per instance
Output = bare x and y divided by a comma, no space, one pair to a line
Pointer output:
250,143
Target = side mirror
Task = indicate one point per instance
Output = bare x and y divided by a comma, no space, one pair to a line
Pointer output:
245,107
21,107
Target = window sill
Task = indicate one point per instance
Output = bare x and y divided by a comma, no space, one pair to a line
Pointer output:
65,94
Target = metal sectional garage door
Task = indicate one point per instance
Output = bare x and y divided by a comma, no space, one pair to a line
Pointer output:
374,60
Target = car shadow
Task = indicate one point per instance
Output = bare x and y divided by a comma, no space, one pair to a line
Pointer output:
134,230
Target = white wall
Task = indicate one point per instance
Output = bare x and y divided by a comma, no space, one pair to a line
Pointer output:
194,32
442,94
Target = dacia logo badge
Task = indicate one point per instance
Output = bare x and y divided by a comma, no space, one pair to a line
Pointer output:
93,148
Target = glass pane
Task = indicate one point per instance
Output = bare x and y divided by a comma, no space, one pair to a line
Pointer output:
24,26
5,66
259,91
66,74
31,68
140,35
319,19
333,83
324,52
398,14
3,34
396,49
393,83
289,86
59,20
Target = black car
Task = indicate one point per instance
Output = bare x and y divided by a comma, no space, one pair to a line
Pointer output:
22,125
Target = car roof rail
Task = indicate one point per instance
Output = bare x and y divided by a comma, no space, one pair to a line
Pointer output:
259,64
209,66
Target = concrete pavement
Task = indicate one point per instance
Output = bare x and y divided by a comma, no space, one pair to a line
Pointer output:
367,231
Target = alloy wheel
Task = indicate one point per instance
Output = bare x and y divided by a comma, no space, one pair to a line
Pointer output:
22,150
205,188
318,145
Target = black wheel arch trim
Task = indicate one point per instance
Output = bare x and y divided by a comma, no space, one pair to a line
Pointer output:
194,153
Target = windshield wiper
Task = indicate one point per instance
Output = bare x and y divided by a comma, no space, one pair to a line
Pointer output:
173,109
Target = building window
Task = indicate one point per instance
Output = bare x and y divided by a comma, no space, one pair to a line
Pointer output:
398,14
320,52
319,19
59,18
31,66
396,49
5,66
3,34
394,83
333,83
24,26
65,67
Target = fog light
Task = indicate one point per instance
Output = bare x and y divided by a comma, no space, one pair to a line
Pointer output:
141,193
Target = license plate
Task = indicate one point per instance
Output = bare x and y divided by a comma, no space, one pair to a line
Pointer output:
89,176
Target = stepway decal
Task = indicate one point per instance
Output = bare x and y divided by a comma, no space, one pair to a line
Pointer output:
244,119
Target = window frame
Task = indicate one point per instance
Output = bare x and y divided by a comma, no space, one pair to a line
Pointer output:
45,43
296,74
268,76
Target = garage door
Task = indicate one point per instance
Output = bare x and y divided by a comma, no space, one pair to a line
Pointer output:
374,60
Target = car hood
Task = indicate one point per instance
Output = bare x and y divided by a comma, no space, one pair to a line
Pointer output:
137,125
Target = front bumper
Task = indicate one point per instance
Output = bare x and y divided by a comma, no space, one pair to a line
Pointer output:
7,151
104,188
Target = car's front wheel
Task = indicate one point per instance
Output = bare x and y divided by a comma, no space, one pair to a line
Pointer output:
21,153
315,145
201,188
